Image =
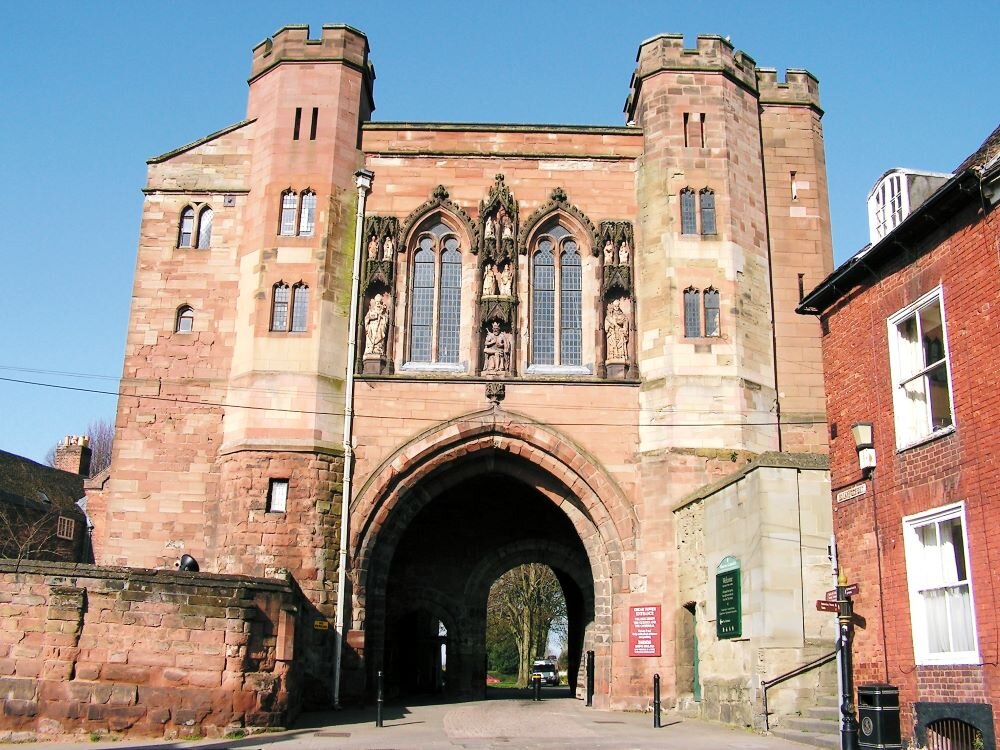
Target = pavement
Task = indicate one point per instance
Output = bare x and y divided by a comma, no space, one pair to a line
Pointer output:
555,723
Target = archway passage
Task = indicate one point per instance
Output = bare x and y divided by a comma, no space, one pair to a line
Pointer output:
441,562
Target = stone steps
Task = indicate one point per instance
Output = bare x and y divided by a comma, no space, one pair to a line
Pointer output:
819,727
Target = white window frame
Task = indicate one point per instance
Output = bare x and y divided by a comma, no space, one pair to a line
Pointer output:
915,558
902,410
888,204
277,502
65,528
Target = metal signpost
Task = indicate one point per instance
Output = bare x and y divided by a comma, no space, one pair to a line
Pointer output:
841,603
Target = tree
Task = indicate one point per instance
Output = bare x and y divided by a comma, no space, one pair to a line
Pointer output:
28,531
102,435
523,604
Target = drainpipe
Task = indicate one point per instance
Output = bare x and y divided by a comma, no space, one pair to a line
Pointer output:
364,182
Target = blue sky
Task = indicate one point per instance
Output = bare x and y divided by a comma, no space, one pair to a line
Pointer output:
91,90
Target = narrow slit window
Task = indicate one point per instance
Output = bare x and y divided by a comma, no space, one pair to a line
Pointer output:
313,124
186,232
689,216
707,211
701,129
692,313
687,124
298,123
300,307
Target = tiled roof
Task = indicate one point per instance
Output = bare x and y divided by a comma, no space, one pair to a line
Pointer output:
985,156
21,477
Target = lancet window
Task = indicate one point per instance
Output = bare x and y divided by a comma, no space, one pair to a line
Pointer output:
436,296
556,299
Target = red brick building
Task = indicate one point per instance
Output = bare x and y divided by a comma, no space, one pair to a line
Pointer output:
563,332
909,337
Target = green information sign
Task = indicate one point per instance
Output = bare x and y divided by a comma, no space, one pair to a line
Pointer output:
728,610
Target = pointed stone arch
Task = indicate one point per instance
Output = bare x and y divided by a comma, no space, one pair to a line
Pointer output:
439,202
558,205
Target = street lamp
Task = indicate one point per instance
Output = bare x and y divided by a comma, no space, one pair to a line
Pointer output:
863,443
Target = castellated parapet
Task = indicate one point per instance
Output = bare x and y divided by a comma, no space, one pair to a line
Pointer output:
337,43
799,87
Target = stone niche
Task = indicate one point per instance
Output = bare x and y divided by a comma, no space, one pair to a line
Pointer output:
89,650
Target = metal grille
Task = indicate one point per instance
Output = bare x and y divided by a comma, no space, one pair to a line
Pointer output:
279,309
689,217
422,318
692,323
953,734
300,307
570,290
543,294
449,316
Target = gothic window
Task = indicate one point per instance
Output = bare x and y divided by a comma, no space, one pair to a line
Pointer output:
205,227
280,296
307,213
556,274
436,297
712,312
187,228
300,307
692,314
707,199
184,322
288,206
689,218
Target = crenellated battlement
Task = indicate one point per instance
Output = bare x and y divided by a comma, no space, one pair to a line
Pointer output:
799,87
337,43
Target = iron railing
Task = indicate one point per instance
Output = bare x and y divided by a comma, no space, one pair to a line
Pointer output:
766,684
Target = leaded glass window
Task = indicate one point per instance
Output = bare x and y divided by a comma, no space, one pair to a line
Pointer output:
436,297
205,228
279,307
543,315
422,316
288,204
300,307
689,217
707,211
692,313
451,302
571,289
307,214
712,312
186,228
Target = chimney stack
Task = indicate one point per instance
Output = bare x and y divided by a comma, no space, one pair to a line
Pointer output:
73,455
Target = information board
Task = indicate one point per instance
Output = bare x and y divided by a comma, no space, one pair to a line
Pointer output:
728,607
644,631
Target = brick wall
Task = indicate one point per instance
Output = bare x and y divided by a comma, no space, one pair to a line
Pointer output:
958,466
88,649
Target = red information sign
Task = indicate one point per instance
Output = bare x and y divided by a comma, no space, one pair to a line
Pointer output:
644,631
827,606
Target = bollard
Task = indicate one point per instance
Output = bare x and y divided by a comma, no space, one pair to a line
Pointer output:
538,687
379,699
590,678
656,701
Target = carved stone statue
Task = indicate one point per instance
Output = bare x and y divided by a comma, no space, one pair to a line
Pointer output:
489,280
387,249
376,326
623,253
373,247
490,231
497,350
616,329
505,280
506,225
609,253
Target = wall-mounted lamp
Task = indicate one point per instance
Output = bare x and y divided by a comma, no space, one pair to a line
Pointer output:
862,434
364,179
187,563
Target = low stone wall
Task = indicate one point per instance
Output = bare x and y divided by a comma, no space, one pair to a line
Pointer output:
89,649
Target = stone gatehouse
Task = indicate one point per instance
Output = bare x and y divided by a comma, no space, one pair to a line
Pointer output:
562,332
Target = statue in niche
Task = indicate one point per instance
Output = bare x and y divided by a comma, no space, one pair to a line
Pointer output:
497,349
387,249
623,253
376,326
506,225
373,248
616,330
505,280
609,253
490,231
489,280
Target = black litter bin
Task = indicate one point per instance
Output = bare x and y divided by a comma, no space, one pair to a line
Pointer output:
878,717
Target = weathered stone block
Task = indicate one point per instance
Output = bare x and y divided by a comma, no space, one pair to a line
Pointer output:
16,707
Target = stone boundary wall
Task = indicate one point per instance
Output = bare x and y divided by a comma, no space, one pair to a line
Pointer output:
91,649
